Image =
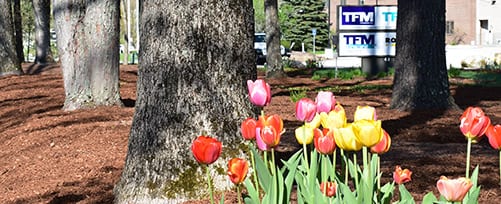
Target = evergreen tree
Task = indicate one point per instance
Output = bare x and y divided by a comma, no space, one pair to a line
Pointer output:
298,19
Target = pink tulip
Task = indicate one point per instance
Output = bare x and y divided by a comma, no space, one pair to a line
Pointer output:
454,190
259,92
325,101
305,110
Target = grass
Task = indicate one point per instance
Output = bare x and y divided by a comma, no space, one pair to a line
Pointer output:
481,77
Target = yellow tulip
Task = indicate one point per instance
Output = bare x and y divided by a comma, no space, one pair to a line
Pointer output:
315,123
365,113
368,132
304,134
345,138
334,119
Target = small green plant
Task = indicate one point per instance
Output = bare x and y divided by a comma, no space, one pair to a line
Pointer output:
452,72
297,93
311,64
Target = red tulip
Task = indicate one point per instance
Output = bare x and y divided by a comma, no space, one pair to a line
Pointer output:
454,190
494,135
324,141
248,128
401,176
325,101
259,92
305,109
269,130
384,145
237,170
328,188
206,149
474,123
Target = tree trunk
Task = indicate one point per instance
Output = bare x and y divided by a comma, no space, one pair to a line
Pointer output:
18,30
41,9
192,80
88,39
9,64
124,27
421,80
273,58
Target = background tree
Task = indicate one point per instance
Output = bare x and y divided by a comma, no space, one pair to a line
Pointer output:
41,9
305,15
123,32
259,16
192,80
9,64
88,42
28,28
18,29
273,57
421,80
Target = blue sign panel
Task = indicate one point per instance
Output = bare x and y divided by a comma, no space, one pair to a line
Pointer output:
367,18
358,15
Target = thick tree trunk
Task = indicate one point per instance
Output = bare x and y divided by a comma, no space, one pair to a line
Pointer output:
18,30
88,39
9,64
41,9
421,80
273,58
192,80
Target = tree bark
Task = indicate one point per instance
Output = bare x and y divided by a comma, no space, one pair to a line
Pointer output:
9,64
18,30
192,80
273,57
421,80
124,23
41,9
88,39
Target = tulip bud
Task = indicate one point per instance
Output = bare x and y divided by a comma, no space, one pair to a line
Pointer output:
368,132
401,176
304,134
248,128
206,149
365,113
494,135
305,109
345,138
474,123
328,188
384,145
237,170
334,119
325,101
259,92
324,141
454,190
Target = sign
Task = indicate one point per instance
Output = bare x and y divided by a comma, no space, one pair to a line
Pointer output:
367,18
314,31
362,44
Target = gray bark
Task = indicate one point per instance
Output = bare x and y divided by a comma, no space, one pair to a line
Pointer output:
196,56
421,80
41,9
88,42
9,64
273,58
18,30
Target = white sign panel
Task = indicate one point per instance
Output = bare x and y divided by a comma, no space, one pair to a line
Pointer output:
367,17
362,44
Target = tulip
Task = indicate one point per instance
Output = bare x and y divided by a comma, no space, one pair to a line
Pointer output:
345,138
248,129
206,149
259,92
401,176
305,110
494,135
365,113
325,101
268,132
324,141
454,190
368,132
328,188
334,119
384,145
474,123
237,170
315,123
304,134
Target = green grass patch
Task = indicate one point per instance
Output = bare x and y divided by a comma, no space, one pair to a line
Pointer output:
481,77
297,93
342,73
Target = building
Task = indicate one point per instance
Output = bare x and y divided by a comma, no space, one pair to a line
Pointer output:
471,22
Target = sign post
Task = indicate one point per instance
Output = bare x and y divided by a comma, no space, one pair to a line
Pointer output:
314,33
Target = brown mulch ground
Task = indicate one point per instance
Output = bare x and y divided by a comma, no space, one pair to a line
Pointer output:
51,156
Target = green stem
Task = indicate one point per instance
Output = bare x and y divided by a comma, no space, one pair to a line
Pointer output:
210,186
334,163
305,152
364,157
345,167
265,157
500,168
238,194
378,170
273,169
254,171
468,151
356,172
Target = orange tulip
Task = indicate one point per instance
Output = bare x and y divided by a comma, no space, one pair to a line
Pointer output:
494,135
269,130
324,141
248,128
328,188
474,123
206,149
454,190
237,170
401,176
384,145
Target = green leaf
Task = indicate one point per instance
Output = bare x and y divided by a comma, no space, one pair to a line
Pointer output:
429,198
263,173
405,195
346,194
222,199
253,194
291,166
387,191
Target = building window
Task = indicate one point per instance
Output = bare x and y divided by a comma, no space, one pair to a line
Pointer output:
449,27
